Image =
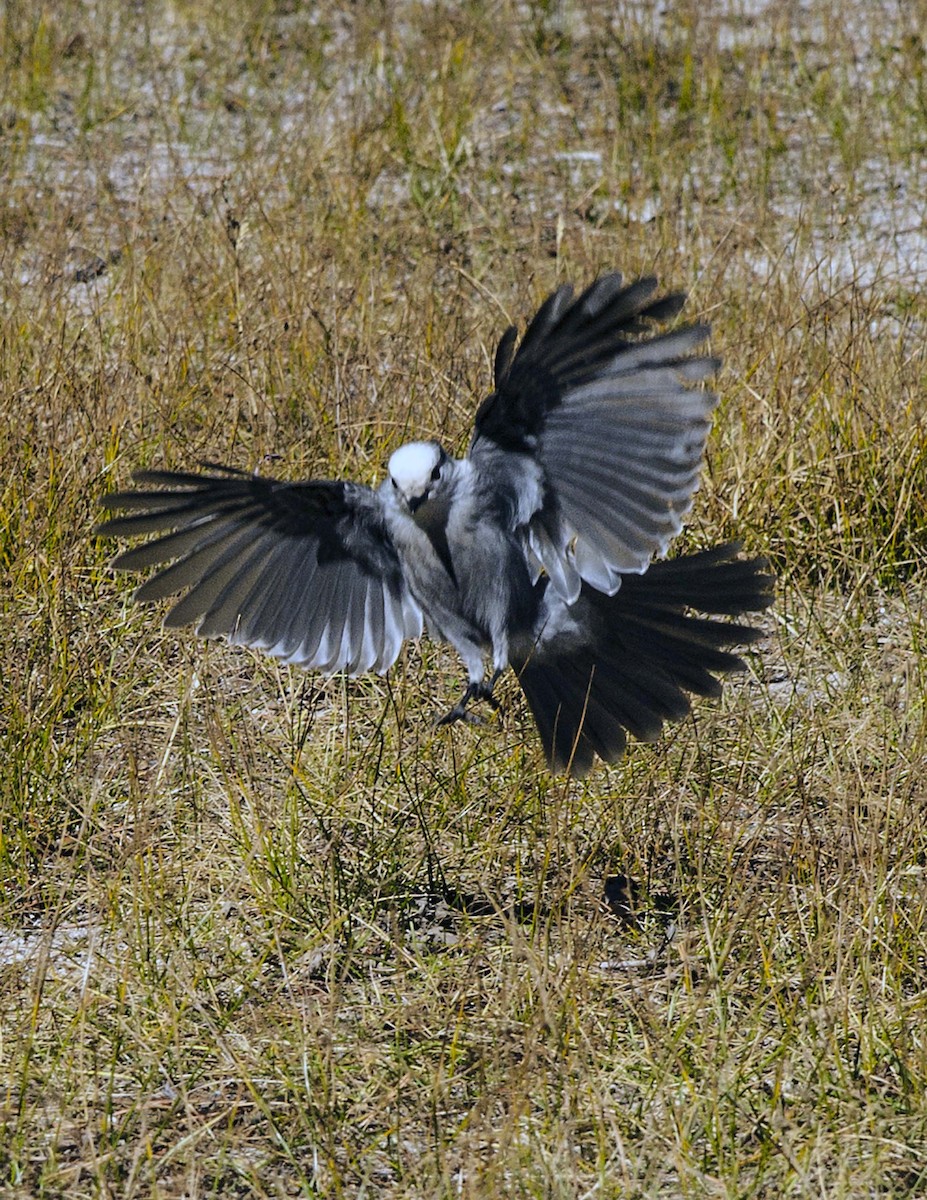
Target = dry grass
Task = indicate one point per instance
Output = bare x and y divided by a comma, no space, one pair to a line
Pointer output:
265,934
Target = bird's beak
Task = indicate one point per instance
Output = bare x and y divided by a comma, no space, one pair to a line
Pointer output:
416,502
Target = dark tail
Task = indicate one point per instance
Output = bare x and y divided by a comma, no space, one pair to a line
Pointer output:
625,663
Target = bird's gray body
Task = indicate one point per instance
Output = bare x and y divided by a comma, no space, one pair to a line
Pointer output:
535,550
464,561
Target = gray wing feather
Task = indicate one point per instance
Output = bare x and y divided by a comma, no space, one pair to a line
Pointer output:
375,632
614,424
550,554
307,572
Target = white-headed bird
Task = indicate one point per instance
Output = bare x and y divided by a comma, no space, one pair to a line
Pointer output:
535,551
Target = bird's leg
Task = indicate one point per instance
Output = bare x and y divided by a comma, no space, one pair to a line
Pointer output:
480,690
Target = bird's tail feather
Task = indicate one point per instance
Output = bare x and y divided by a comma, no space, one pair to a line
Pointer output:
625,663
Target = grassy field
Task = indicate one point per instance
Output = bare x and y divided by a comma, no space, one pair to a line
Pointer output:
266,934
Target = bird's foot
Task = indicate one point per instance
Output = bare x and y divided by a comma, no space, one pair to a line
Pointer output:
459,713
474,691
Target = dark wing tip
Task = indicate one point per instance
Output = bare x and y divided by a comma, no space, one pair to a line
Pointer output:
505,352
666,307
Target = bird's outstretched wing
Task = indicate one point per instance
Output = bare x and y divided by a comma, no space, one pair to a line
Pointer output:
305,571
612,422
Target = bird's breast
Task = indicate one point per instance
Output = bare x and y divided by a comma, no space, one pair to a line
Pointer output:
432,519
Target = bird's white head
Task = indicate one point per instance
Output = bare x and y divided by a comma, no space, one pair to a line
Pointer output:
415,470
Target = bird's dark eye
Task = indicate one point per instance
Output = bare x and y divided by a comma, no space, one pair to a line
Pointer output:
435,474
395,484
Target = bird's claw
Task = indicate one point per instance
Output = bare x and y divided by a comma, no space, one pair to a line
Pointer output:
474,691
485,693
461,714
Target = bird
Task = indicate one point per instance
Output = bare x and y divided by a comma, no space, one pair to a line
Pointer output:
542,549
